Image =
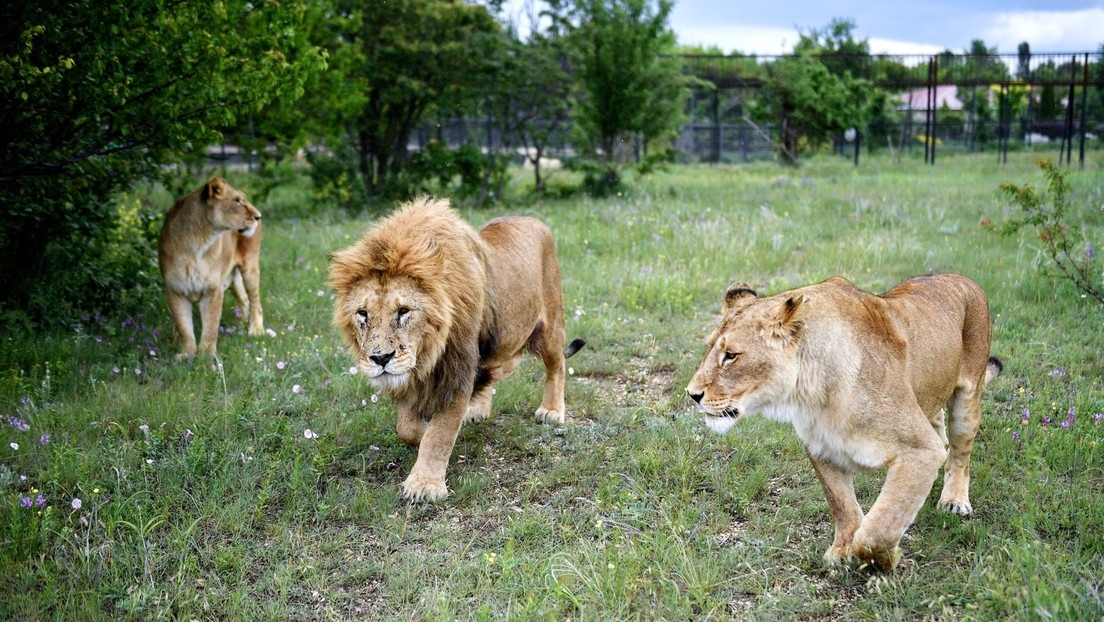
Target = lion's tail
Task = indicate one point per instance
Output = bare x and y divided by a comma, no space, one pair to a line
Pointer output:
573,347
993,369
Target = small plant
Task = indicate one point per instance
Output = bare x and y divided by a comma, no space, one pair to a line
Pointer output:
1063,243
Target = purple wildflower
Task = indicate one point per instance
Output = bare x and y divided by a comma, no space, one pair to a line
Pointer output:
1057,371
40,501
26,401
1089,253
44,439
1046,421
1016,435
25,502
1098,417
18,424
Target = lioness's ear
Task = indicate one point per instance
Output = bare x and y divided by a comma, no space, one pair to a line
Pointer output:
214,190
737,295
790,317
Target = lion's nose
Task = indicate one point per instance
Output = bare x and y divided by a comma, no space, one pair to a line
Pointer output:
697,397
382,359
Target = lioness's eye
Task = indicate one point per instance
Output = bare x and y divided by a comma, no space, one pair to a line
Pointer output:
728,357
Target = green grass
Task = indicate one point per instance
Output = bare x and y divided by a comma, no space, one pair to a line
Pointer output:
201,497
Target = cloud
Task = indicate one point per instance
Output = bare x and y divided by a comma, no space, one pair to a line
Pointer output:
730,38
1047,31
893,46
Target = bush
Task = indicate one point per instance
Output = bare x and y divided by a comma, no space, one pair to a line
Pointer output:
1062,242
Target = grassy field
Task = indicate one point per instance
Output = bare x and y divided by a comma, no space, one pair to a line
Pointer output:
264,484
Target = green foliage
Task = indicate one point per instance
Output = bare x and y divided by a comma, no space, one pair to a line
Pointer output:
628,89
97,95
817,93
1061,238
464,173
392,64
532,93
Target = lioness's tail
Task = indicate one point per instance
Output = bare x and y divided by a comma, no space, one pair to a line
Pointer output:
993,369
573,347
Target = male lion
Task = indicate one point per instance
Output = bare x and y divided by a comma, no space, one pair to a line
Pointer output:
211,240
436,313
864,380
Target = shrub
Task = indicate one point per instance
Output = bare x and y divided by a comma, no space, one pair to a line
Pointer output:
1062,242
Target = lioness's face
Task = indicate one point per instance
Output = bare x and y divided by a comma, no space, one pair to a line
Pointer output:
750,364
230,209
388,321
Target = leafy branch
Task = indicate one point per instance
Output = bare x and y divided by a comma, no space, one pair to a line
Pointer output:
1063,243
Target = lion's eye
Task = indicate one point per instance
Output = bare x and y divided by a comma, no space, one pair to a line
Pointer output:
401,313
362,315
728,357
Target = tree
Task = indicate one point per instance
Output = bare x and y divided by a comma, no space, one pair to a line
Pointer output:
533,98
811,103
95,95
627,87
396,61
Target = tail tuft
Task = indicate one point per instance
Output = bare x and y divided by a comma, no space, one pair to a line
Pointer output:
573,347
994,369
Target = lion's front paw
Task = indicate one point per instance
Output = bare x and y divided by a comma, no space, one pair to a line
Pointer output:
550,416
418,488
256,330
476,412
956,506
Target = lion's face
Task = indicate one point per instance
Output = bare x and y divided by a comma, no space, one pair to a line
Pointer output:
387,320
751,360
229,209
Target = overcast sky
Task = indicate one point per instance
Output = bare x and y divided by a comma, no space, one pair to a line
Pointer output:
915,27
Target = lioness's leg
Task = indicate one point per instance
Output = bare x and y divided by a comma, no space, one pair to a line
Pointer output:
251,279
839,488
426,481
964,408
908,481
181,310
210,313
239,290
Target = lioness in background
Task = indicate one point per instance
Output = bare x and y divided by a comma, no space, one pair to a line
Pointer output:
211,240
864,380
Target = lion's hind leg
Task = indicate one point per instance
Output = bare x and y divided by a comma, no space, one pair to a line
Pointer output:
547,342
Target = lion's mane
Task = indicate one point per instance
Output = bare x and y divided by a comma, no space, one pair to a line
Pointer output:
427,242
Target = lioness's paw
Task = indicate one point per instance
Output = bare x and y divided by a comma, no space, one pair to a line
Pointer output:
882,559
956,506
418,489
836,554
549,416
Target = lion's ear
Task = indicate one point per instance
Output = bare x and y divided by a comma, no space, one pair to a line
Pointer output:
790,317
214,190
737,295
